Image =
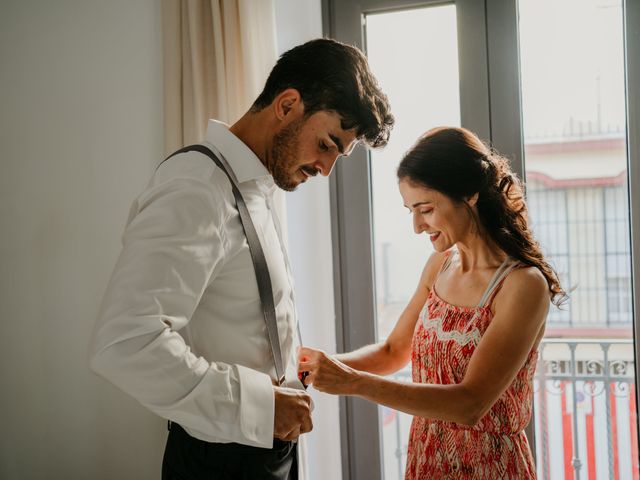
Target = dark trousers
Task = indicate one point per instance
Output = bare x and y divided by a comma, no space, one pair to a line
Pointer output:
187,458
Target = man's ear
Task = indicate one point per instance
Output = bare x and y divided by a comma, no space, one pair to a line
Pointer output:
473,199
288,102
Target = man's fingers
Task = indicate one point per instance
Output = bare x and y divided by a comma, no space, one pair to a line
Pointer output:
292,413
306,426
307,398
292,435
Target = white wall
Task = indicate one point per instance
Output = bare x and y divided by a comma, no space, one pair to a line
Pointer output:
310,248
80,132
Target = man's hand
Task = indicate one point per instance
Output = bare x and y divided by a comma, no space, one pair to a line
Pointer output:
293,413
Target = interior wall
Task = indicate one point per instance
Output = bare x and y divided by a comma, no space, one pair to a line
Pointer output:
80,132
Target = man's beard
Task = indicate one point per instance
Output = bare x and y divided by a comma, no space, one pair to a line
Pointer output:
283,156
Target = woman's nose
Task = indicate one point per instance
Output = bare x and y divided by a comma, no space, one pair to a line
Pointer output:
419,225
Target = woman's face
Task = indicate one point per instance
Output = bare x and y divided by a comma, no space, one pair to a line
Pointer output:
445,221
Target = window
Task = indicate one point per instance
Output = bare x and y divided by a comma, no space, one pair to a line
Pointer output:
544,80
548,213
575,144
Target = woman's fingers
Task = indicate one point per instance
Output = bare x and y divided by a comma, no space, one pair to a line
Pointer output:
308,359
305,365
321,370
309,379
308,364
306,353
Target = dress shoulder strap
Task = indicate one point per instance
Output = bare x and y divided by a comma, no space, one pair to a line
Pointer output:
505,268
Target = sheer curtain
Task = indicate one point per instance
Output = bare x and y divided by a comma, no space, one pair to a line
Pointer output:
217,55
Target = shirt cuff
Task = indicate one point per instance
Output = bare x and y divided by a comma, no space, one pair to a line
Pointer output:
257,406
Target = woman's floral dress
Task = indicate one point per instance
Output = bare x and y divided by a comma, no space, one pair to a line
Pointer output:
496,447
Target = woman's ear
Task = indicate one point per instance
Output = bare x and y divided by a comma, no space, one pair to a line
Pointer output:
473,199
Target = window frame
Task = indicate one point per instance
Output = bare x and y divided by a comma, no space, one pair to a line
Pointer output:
631,16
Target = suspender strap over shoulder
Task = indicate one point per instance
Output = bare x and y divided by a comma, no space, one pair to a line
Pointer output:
257,255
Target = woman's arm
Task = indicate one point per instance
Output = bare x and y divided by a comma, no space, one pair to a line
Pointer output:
386,357
518,324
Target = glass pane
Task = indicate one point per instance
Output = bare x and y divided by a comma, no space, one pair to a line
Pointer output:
414,55
572,66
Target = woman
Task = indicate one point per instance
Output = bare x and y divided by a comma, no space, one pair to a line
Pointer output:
472,327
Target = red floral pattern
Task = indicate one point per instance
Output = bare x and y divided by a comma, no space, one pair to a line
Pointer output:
496,447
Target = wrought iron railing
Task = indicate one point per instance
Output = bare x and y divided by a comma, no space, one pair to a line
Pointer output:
587,381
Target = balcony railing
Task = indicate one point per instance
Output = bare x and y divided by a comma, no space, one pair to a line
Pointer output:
586,424
585,412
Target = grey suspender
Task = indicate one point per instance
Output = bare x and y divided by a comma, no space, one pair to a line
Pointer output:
257,256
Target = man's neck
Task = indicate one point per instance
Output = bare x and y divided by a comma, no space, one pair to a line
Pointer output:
253,130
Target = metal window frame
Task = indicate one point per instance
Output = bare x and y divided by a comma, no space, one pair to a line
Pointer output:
631,15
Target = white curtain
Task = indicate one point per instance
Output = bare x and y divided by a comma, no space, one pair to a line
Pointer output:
217,56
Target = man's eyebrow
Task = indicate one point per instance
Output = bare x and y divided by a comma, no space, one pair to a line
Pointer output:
338,143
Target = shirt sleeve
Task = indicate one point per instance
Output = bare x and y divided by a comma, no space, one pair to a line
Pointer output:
172,246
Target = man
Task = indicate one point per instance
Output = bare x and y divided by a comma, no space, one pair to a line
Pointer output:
181,327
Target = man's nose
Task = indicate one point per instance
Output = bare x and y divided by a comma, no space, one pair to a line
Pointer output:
325,164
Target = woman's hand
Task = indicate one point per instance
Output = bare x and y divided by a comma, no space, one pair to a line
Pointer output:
327,374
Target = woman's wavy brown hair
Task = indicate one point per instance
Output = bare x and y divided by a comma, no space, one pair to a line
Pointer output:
456,163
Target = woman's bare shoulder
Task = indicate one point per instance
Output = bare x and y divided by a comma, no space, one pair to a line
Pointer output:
525,281
527,276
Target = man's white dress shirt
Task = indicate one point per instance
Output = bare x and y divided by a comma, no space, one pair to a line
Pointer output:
181,327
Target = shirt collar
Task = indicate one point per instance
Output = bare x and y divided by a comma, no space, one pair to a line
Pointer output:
245,164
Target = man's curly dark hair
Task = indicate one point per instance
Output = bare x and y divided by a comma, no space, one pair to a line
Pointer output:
333,76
